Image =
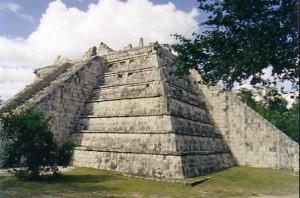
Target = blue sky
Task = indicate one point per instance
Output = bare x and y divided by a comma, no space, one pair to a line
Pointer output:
19,18
25,19
34,32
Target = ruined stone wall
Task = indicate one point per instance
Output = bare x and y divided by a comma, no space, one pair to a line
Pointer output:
61,94
64,101
39,84
142,164
202,149
252,139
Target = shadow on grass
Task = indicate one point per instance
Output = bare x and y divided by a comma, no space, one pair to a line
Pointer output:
68,183
209,174
70,179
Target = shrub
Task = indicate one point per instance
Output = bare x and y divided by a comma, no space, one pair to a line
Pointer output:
29,143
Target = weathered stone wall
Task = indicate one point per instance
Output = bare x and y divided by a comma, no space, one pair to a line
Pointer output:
141,124
129,77
202,148
129,63
205,163
163,166
194,143
128,107
140,90
252,139
191,127
61,95
185,96
32,89
129,142
185,110
64,102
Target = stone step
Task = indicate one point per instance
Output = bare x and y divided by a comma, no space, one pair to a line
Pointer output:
154,165
167,142
128,107
177,117
143,152
140,123
126,84
145,123
198,119
215,134
136,164
135,90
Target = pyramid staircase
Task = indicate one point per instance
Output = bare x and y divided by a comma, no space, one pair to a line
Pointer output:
144,121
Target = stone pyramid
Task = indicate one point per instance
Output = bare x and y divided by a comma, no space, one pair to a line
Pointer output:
128,113
144,121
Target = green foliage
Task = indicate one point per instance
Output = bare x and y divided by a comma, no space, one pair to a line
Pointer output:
65,153
273,106
30,143
241,39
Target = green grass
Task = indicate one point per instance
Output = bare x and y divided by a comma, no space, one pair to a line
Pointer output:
84,182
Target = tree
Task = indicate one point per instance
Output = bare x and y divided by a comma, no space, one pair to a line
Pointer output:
29,142
273,107
241,39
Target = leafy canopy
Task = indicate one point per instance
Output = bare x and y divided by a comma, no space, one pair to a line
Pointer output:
28,142
241,39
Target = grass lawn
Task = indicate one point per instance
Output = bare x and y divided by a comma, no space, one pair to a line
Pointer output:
85,182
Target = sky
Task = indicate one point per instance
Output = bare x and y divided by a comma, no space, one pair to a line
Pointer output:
34,32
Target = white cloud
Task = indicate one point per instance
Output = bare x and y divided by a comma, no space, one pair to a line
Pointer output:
69,32
15,74
9,89
15,8
27,17
12,7
13,80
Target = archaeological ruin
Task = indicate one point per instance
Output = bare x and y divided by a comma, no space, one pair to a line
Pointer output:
127,112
